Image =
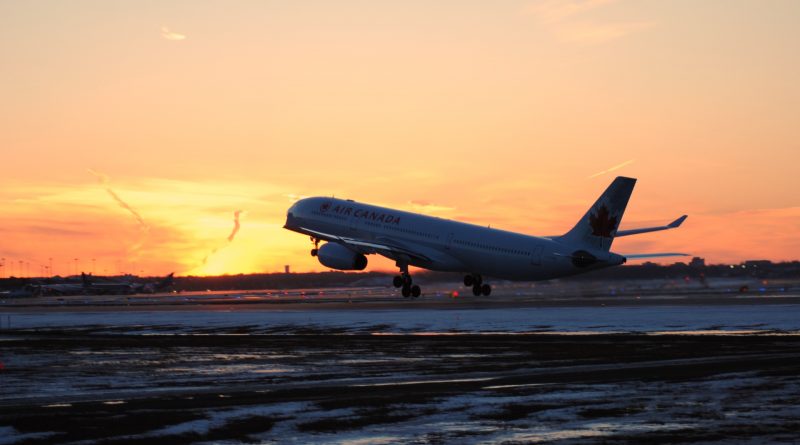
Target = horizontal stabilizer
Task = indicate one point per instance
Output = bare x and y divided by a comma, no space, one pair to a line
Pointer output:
673,225
637,256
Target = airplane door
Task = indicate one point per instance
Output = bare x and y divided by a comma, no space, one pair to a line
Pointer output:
536,256
449,241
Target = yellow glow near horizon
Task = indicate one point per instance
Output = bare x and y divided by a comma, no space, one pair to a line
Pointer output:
516,114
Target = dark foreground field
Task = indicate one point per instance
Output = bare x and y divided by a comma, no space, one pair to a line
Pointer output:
325,387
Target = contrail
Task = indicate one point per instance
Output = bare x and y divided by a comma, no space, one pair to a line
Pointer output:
235,225
205,258
616,167
235,230
144,229
104,181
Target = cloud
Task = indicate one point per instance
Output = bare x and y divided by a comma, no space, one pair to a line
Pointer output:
56,230
567,20
166,34
589,33
293,197
552,11
609,170
726,238
426,206
186,220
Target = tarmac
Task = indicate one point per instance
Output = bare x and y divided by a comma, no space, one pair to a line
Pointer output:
367,366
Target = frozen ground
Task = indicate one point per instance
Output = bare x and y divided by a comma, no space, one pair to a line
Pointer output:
427,371
333,388
645,319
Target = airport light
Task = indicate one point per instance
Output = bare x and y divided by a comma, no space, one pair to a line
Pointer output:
76,266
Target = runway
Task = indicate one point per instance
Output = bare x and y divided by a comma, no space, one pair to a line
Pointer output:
660,368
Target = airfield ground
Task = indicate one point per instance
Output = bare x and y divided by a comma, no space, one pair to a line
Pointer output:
364,367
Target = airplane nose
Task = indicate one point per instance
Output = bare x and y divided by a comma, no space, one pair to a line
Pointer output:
289,220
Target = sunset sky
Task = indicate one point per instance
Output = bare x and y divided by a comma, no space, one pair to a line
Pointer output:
510,113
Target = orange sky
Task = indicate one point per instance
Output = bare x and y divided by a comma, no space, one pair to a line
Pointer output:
501,113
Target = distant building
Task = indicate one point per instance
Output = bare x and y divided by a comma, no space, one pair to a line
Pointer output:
697,263
756,264
286,269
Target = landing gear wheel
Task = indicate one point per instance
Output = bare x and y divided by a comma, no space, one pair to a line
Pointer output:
404,280
486,290
478,280
314,252
476,290
468,280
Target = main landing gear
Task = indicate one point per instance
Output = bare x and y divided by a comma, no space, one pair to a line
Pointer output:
315,250
404,281
478,286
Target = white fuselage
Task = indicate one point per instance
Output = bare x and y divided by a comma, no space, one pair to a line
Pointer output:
445,244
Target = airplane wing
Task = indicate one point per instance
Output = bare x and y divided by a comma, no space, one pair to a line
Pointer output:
636,256
673,225
384,247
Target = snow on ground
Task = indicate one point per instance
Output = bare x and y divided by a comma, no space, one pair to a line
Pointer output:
526,319
9,435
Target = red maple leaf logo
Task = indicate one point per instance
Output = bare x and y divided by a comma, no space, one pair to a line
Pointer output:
602,223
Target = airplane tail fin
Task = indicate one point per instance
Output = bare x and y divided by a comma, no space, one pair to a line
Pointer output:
85,280
599,225
166,282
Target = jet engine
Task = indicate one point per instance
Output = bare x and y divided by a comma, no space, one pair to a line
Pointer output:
337,256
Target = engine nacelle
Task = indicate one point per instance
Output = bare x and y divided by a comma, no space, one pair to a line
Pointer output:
337,256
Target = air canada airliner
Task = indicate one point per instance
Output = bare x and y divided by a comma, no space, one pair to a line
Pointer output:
352,230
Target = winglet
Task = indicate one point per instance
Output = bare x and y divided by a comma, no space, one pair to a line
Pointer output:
677,223
673,225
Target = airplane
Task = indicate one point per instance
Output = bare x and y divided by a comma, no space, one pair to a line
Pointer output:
88,286
352,230
114,288
63,288
151,288
124,288
23,292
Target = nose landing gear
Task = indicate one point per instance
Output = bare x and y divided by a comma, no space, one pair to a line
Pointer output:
478,286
